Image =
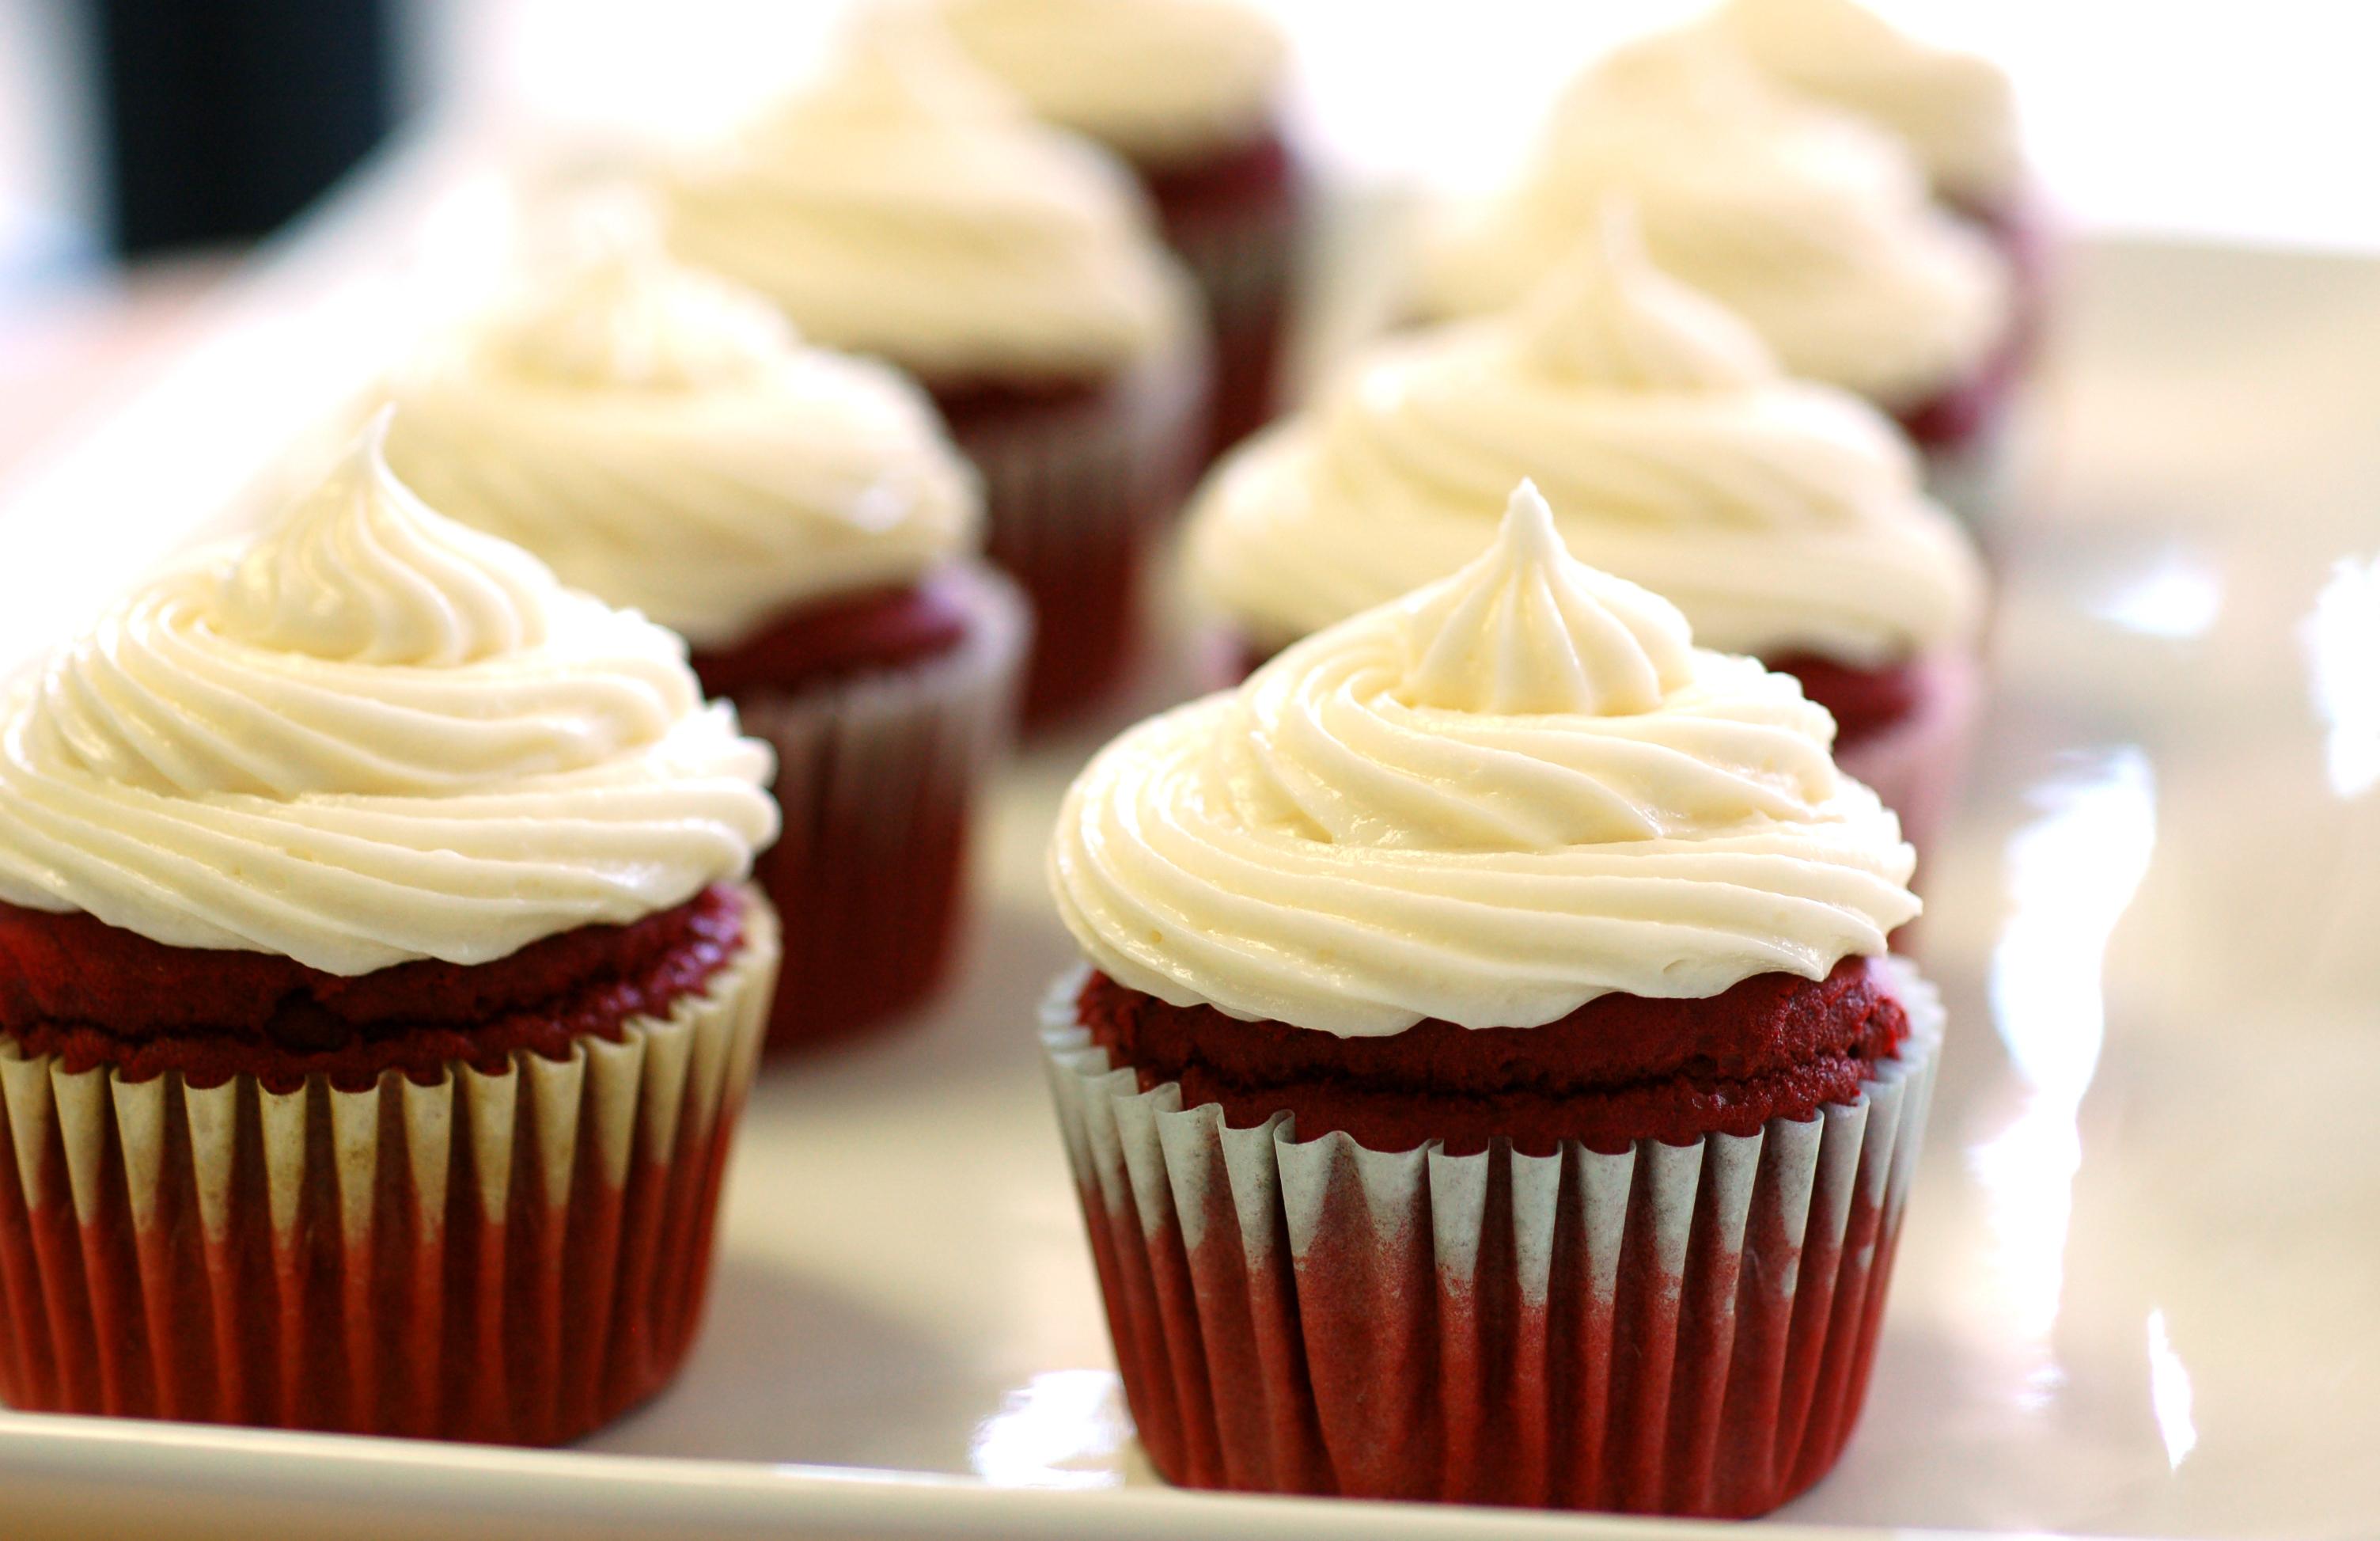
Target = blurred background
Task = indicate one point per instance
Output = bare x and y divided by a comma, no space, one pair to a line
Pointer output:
144,144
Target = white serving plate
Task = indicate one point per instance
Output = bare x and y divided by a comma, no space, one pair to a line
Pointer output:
2140,1288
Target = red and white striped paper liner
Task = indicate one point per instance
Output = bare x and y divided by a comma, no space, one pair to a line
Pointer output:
1676,1329
514,1257
877,776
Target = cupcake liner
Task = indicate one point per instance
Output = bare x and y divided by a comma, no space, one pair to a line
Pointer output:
1681,1329
1072,495
876,776
1244,260
1916,765
513,1256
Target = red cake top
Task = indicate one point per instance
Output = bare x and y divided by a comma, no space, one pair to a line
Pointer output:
1619,1068
842,635
72,986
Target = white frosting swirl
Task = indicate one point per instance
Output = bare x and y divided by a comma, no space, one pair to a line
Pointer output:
1491,802
663,440
374,736
1814,227
1158,80
908,205
1780,516
1956,110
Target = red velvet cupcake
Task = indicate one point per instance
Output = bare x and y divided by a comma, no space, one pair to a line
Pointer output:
907,206
378,990
1785,518
1813,224
1489,1083
1188,91
663,441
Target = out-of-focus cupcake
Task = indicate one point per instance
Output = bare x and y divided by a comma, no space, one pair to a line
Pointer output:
908,206
1816,226
1784,518
1955,111
378,989
664,442
1490,1083
1189,93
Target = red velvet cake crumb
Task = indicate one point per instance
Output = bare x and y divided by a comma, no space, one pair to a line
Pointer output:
97,995
847,634
1864,701
1618,1070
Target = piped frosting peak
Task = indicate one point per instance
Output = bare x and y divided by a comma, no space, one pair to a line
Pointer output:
1606,315
360,571
1529,629
620,314
663,439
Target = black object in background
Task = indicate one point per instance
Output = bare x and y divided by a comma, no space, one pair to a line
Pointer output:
227,116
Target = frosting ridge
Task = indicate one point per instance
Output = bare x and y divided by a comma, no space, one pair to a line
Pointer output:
372,736
1779,515
664,440
908,205
1490,802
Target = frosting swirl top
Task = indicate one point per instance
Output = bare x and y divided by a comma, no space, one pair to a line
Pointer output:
662,438
1814,227
1158,80
1956,111
1781,516
1491,802
370,737
908,205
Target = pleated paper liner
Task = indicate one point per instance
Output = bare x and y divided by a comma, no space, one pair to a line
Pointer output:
1074,494
1672,1329
877,776
1917,767
514,1257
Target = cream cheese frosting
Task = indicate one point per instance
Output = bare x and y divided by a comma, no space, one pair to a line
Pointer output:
1815,226
663,440
1956,110
1779,514
371,736
1157,81
1491,802
909,205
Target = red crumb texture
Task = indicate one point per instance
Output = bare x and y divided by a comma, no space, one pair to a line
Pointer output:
1865,701
844,635
1618,1070
96,995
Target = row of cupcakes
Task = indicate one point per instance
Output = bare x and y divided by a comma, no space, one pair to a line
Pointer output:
377,928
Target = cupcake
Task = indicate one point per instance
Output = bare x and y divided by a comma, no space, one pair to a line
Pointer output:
663,441
1956,112
378,989
907,206
1784,518
1814,226
1189,93
1489,1081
